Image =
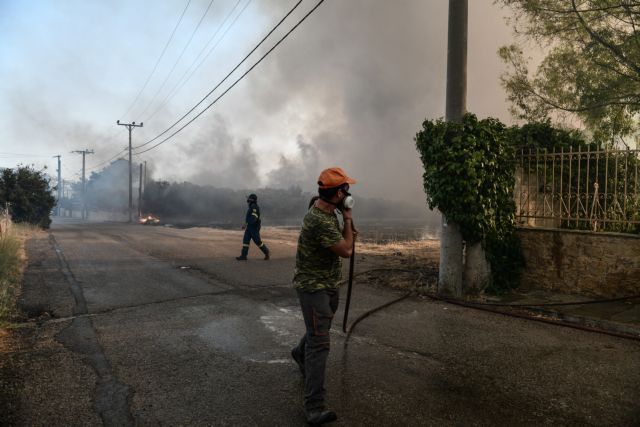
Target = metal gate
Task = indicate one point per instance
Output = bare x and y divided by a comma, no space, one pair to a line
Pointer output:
581,189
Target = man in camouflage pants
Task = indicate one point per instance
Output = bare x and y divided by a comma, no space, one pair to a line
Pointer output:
317,275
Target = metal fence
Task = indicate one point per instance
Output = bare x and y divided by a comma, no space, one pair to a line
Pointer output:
581,188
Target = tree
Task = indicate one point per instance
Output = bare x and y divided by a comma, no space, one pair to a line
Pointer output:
592,66
29,195
469,176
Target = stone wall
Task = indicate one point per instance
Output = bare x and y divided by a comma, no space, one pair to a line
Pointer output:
581,262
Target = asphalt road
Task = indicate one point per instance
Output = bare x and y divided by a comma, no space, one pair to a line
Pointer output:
161,326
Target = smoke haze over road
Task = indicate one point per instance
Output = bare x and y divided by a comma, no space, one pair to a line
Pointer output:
350,87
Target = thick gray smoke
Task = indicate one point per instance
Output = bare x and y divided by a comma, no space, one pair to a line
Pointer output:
298,171
369,73
218,158
349,88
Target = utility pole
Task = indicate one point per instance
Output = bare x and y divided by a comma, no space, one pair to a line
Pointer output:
84,183
450,273
59,186
130,127
140,193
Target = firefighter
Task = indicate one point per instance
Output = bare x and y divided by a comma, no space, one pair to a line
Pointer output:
251,229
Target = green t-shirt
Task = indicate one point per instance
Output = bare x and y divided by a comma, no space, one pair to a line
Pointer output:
317,267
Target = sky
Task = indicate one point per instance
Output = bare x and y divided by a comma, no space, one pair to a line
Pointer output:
349,87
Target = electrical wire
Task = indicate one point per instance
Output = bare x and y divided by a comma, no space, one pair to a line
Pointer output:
213,48
96,166
155,67
71,173
175,64
12,155
224,79
182,81
110,137
238,80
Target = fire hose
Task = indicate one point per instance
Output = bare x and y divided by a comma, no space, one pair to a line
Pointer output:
350,285
482,306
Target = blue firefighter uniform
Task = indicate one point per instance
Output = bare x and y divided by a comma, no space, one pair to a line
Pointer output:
252,229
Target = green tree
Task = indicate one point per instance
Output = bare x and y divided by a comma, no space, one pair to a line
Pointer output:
29,195
469,176
592,65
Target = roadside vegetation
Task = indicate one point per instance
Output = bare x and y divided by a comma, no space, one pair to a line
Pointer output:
469,177
12,260
25,192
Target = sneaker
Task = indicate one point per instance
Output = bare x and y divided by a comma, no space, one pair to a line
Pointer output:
298,361
267,257
241,258
320,416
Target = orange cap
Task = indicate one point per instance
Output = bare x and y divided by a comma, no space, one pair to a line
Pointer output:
334,177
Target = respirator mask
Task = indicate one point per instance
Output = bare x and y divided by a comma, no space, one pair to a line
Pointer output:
348,201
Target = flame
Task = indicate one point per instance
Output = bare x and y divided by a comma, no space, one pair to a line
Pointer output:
149,219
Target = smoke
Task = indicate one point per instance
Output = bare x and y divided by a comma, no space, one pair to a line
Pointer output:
216,157
350,87
299,171
364,76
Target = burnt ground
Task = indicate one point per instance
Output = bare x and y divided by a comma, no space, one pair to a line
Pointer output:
132,325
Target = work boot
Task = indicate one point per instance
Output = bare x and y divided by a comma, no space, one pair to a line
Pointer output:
298,360
317,417
265,251
241,258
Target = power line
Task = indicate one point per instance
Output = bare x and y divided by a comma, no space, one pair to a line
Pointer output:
229,74
177,60
69,172
96,166
10,155
113,134
182,81
155,67
237,80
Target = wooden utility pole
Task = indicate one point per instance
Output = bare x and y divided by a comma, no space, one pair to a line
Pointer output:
450,273
130,127
140,193
84,184
59,186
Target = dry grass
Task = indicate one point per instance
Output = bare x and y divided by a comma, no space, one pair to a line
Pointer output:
12,261
419,248
399,264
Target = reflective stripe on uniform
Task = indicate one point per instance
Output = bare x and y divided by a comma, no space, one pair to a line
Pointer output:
261,245
246,245
255,214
